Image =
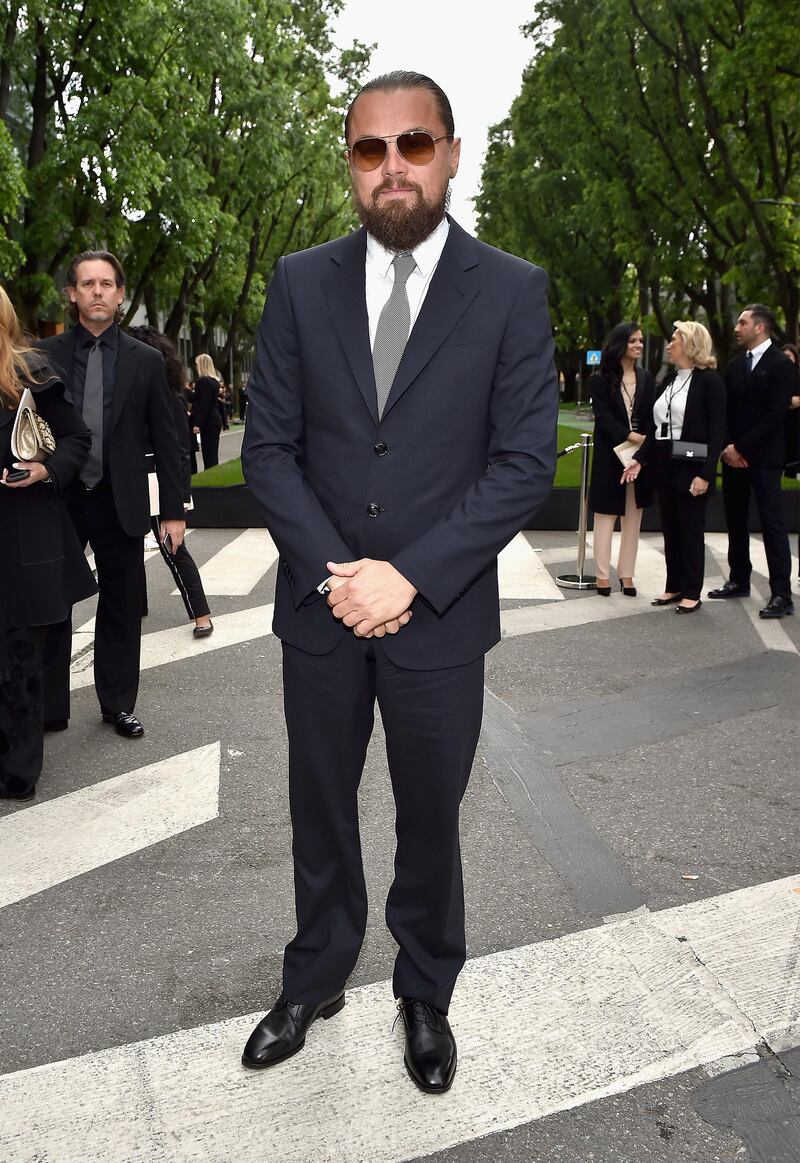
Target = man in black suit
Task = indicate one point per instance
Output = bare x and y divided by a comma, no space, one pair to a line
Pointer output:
119,385
759,387
401,430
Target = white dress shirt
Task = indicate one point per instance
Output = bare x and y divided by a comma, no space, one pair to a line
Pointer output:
757,352
670,407
380,275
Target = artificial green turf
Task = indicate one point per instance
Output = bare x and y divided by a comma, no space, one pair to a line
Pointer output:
568,468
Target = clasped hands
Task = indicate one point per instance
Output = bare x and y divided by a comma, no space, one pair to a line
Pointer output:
370,597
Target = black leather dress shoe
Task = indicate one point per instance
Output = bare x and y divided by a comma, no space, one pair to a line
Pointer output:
55,725
125,724
730,590
777,607
282,1032
430,1056
23,794
688,609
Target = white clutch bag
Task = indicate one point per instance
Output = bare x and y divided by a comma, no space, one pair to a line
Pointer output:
625,452
31,438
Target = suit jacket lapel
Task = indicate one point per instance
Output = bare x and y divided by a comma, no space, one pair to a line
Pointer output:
123,377
344,290
451,291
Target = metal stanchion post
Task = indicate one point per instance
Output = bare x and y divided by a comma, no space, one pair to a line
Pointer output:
579,580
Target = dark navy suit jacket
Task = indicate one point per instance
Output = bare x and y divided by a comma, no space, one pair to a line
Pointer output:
461,460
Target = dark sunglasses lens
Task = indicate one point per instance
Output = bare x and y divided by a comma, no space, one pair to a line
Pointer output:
368,153
417,148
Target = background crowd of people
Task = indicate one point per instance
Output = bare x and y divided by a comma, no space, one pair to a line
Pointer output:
667,441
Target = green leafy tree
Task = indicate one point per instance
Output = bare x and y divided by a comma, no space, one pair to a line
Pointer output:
650,162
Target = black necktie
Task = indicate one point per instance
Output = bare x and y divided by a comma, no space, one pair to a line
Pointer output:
93,415
748,364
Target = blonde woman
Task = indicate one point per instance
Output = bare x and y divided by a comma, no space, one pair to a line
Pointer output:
44,570
205,417
683,443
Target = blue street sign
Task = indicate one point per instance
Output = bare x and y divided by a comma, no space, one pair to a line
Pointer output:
593,358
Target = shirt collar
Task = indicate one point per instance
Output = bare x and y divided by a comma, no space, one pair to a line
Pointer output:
109,338
426,255
757,352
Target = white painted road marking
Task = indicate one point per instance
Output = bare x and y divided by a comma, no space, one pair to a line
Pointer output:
172,645
591,1014
523,575
239,565
52,842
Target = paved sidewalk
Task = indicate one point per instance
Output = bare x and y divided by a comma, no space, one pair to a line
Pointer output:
631,843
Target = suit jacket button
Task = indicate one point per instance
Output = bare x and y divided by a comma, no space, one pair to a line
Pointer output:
373,509
380,449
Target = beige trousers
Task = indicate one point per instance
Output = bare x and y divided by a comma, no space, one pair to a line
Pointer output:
630,525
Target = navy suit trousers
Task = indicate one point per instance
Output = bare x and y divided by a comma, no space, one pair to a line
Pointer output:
432,721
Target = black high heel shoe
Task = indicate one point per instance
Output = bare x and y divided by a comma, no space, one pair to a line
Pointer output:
628,591
603,591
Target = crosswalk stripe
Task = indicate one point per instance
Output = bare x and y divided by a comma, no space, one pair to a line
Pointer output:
54,841
238,567
523,575
177,643
540,1029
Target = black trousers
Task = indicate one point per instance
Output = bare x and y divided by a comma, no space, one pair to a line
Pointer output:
209,446
183,568
21,709
765,484
432,722
122,598
683,521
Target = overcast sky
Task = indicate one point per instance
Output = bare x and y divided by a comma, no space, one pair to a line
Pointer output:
478,61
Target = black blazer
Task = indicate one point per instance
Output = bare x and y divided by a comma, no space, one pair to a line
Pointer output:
703,423
611,427
461,460
44,569
205,406
757,407
141,420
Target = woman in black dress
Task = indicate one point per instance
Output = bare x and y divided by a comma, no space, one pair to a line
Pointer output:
206,418
622,398
690,409
44,570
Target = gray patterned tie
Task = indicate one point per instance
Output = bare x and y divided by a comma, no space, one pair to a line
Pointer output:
394,325
93,416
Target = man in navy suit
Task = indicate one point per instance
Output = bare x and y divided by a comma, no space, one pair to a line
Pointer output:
759,387
401,430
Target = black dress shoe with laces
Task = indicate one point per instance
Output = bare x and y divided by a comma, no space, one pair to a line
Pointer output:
730,590
430,1056
777,607
125,724
282,1032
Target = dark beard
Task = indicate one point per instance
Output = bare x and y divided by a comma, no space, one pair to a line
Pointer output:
398,226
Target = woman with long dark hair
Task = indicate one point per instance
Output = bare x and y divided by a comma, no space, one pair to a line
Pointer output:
622,397
684,440
44,569
188,575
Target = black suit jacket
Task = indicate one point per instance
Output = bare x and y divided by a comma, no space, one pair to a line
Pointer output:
703,423
757,407
461,460
44,569
606,492
205,406
141,420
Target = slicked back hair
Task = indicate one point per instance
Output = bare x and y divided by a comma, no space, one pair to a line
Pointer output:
92,256
764,315
403,79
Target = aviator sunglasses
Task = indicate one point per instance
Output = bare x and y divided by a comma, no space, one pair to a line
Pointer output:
417,147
